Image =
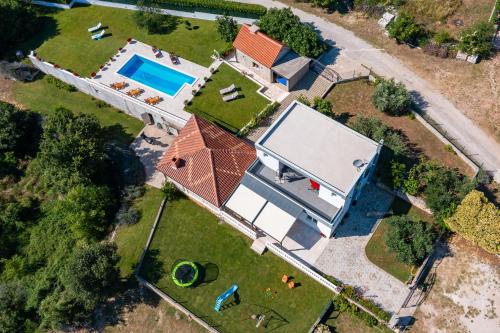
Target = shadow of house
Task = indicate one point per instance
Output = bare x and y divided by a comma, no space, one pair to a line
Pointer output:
152,268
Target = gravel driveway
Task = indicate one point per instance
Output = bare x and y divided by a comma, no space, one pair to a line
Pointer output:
344,256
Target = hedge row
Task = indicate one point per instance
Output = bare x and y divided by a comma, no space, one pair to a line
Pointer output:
257,119
210,6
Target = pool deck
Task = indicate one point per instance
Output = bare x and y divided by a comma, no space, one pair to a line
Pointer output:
171,104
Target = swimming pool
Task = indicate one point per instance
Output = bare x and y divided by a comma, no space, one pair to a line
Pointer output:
155,75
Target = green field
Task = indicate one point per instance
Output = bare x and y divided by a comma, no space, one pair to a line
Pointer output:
64,39
132,239
231,115
378,253
188,231
42,97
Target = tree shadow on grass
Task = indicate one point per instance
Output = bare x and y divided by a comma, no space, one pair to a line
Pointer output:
47,29
152,267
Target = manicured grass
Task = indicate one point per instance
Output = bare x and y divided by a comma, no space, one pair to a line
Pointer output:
231,115
188,231
64,38
132,239
378,253
345,322
43,97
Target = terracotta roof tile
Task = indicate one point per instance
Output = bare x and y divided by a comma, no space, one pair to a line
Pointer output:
258,46
213,160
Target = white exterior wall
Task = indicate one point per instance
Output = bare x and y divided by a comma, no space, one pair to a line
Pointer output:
117,99
268,160
261,70
331,197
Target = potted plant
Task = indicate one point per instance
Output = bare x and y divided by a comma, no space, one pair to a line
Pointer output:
101,66
120,49
56,66
76,74
93,74
129,40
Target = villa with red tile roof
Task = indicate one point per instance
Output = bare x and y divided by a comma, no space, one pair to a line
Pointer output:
206,162
268,58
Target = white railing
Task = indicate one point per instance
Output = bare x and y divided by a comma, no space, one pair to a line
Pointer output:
304,268
237,225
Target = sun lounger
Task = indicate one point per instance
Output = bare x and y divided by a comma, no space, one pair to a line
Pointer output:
174,59
135,92
99,35
158,54
227,90
228,98
153,100
118,85
95,28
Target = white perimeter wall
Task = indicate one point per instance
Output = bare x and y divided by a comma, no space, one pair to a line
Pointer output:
117,99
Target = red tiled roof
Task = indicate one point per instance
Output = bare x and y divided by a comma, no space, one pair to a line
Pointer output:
258,46
213,161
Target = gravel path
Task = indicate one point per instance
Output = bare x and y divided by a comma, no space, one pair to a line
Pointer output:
344,256
440,109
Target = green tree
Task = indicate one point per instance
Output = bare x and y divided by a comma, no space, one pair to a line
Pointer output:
13,314
71,151
391,98
477,220
227,28
18,130
18,21
477,39
171,192
283,25
91,273
150,17
411,240
404,29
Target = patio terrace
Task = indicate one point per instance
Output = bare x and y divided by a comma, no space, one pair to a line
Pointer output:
170,104
297,187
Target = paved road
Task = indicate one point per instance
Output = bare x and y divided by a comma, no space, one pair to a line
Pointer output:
460,128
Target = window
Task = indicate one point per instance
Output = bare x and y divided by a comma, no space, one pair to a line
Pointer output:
255,65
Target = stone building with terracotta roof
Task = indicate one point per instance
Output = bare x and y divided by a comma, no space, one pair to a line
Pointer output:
206,162
268,58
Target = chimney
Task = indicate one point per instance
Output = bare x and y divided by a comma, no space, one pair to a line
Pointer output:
176,163
253,28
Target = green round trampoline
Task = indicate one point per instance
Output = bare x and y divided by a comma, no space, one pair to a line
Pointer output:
185,273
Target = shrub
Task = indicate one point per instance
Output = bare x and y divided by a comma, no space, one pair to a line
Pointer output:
227,28
149,16
373,128
398,174
477,220
256,120
101,104
60,84
411,240
322,328
476,39
127,215
442,37
391,98
323,106
304,100
350,292
405,30
283,25
171,192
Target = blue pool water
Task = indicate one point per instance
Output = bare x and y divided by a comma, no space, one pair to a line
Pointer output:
155,75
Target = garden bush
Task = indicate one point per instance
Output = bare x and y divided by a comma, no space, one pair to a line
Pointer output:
477,220
283,25
256,120
411,240
60,84
476,40
171,192
373,128
127,215
350,292
405,30
323,106
392,98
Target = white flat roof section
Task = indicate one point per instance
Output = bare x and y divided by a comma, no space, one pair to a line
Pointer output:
274,221
319,145
246,203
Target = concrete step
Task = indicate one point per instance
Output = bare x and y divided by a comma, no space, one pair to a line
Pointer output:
259,245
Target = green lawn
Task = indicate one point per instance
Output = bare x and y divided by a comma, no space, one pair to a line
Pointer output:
188,231
131,239
379,253
231,115
64,38
43,97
